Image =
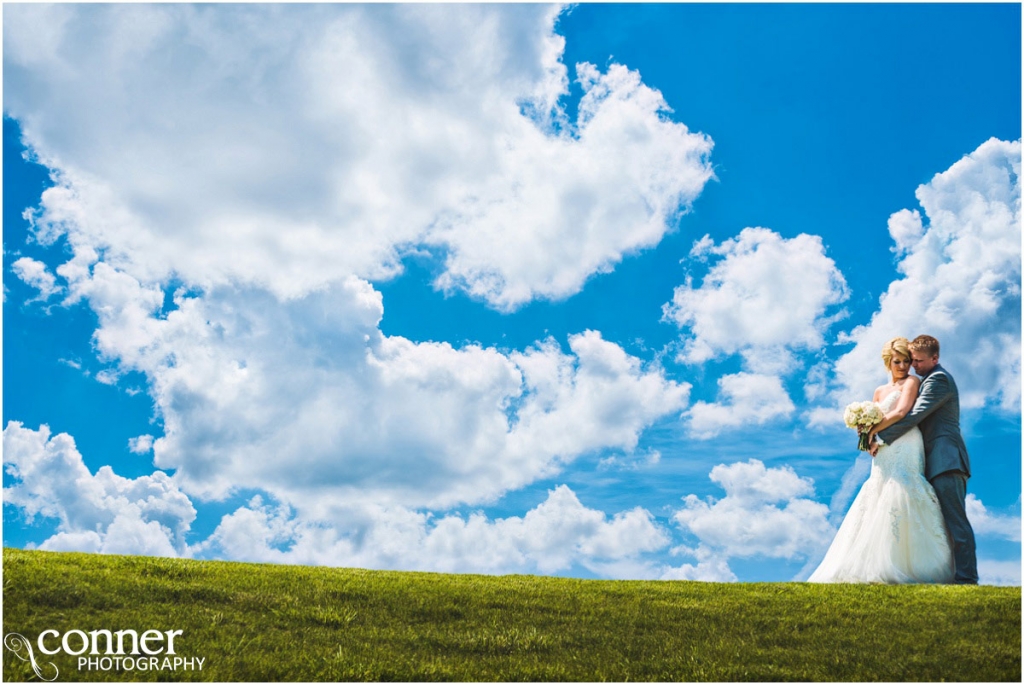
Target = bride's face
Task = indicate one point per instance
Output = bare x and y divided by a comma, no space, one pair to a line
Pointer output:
899,366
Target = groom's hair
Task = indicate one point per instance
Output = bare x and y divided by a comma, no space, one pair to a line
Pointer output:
926,344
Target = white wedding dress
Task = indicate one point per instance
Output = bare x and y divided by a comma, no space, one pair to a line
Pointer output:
894,532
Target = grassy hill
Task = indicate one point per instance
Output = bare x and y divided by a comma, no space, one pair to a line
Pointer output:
253,622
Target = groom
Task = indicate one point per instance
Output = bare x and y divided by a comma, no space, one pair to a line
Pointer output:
946,465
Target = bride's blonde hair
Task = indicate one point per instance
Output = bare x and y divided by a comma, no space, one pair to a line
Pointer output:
899,345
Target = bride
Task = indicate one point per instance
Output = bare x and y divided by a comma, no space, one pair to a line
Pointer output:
894,531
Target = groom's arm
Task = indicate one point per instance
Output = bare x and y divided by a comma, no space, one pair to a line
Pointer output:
934,393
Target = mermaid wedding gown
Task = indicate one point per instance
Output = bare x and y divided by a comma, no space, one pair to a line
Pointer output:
894,532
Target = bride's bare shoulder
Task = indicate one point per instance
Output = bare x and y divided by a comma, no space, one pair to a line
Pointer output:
880,393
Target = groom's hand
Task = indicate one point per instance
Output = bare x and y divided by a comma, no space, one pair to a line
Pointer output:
873,446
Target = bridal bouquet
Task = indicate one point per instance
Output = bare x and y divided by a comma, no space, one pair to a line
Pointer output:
862,416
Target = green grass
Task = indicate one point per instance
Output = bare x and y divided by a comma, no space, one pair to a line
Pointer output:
254,622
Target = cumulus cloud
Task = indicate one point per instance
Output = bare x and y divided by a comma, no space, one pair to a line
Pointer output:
273,160
288,147
100,512
34,273
988,524
309,401
960,264
710,567
551,537
766,512
765,297
744,399
906,230
106,513
562,210
335,410
140,444
992,572
597,397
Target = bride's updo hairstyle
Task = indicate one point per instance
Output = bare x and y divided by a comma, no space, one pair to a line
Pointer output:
900,346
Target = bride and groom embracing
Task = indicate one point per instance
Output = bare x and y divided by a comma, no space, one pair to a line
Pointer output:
908,523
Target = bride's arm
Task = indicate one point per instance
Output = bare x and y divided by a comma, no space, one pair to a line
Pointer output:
903,407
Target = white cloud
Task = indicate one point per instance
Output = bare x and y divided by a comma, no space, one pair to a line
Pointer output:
552,537
960,282
564,208
992,572
100,512
816,381
140,444
290,147
766,297
765,512
906,229
105,513
108,376
598,397
35,274
988,524
309,401
83,541
634,462
744,399
272,159
710,567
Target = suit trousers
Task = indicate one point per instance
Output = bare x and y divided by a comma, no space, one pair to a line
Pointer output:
951,489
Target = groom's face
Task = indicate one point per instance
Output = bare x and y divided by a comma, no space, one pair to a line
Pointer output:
923,362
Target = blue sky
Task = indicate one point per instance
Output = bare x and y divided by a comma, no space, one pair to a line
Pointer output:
497,288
